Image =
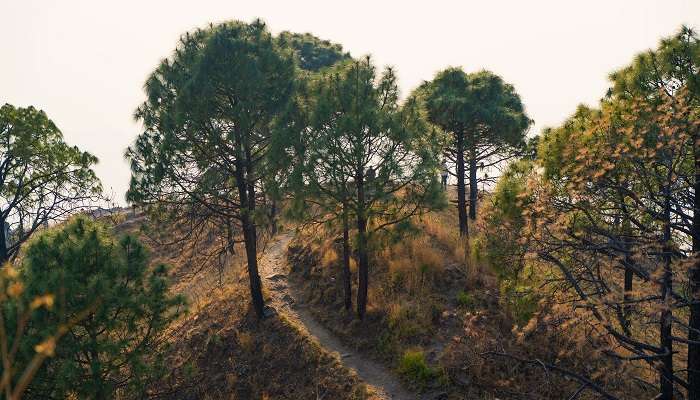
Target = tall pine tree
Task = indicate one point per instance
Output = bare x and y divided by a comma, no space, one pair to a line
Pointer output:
208,117
486,121
368,156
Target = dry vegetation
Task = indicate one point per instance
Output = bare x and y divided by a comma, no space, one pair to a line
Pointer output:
221,350
446,326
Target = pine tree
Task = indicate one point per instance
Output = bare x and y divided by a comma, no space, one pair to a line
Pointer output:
486,121
117,347
367,157
208,119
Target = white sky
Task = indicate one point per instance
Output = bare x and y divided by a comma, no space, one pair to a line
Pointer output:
84,62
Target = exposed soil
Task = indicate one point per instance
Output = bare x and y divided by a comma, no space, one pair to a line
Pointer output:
285,299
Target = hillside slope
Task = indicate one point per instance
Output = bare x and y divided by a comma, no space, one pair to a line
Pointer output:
443,321
220,349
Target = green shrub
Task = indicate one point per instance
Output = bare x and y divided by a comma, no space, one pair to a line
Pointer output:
503,221
465,299
415,369
520,300
477,248
117,347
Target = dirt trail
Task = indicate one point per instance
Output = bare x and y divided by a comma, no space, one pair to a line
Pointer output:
274,271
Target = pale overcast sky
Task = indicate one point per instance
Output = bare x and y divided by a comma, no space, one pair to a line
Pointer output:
84,62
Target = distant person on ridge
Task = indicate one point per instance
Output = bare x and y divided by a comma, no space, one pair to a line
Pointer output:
444,175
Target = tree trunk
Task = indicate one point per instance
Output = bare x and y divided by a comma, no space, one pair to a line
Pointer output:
363,260
461,195
694,275
246,192
347,288
363,267
473,188
230,243
250,238
4,256
629,276
252,242
666,378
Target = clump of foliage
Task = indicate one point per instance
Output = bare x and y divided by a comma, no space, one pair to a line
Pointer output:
465,299
311,53
503,222
520,299
502,244
114,348
415,368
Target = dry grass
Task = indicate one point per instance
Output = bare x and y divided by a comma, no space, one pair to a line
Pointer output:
330,256
443,231
461,252
413,281
223,351
442,308
220,350
412,265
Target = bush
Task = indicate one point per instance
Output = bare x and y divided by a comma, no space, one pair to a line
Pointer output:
117,348
503,222
415,369
465,299
520,300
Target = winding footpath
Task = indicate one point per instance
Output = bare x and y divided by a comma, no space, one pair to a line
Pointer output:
284,299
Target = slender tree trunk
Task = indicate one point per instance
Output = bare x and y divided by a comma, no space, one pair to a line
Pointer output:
629,276
246,191
347,288
4,256
473,188
252,242
461,192
363,259
250,238
363,267
666,378
694,275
